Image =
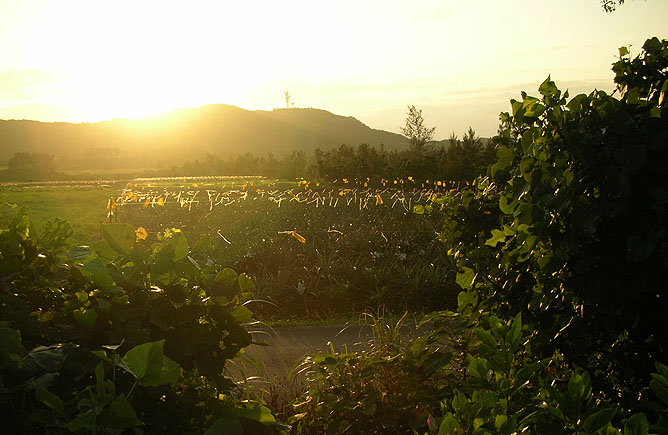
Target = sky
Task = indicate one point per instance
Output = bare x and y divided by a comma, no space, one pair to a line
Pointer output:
460,62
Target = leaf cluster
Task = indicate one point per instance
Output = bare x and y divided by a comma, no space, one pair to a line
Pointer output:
124,334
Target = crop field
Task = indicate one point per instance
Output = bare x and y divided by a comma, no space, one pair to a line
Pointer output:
313,250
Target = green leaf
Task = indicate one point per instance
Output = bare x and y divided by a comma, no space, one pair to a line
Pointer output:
49,358
464,299
652,45
241,314
478,368
85,317
104,250
82,297
500,422
169,373
102,355
507,206
85,420
418,209
639,249
245,283
180,245
623,51
513,336
44,381
51,400
599,419
525,372
636,425
532,107
465,278
202,244
97,272
145,359
497,236
578,386
659,389
450,426
226,284
578,102
120,414
504,159
227,277
548,88
258,413
121,237
485,337
459,401
148,364
661,369
78,252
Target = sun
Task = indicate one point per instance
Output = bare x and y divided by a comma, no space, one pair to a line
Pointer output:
148,57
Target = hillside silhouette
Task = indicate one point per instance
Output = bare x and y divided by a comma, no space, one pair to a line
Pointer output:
187,134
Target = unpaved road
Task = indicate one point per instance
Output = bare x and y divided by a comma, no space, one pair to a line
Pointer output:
288,345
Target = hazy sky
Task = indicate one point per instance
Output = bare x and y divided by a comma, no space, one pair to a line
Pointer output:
459,61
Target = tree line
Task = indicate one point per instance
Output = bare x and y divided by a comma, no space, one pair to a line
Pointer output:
455,159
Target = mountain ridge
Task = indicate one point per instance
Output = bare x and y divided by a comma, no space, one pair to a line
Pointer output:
191,133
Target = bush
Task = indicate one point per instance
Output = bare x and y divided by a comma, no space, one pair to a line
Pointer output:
121,335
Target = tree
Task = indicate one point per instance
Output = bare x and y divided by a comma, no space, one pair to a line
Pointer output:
416,131
31,162
611,5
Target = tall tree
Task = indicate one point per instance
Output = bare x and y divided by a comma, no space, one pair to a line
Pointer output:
416,131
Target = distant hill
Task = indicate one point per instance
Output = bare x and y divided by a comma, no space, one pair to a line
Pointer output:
188,134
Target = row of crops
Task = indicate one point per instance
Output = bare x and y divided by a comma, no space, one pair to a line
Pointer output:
312,249
361,198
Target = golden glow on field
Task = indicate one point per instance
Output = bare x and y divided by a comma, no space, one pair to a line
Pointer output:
81,60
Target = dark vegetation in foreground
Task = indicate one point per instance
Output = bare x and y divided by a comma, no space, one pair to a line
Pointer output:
560,253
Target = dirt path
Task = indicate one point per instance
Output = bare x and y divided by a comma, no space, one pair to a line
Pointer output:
273,369
288,345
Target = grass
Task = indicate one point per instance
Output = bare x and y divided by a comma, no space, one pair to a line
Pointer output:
84,207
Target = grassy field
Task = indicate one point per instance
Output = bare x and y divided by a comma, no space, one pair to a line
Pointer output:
84,206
